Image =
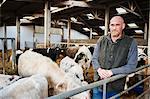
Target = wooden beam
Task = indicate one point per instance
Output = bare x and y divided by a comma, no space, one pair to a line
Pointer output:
2,2
139,10
131,11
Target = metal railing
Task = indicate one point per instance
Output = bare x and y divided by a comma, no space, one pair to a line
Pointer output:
4,49
99,83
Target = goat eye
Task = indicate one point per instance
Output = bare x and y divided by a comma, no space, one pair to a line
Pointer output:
77,76
71,65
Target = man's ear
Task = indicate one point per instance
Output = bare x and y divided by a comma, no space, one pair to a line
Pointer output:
123,26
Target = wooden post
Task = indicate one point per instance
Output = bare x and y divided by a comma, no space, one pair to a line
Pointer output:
69,32
106,20
18,33
46,24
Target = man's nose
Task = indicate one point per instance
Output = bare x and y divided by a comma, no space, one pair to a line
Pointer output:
114,27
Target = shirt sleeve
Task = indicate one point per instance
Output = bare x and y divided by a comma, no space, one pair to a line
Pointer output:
95,57
132,61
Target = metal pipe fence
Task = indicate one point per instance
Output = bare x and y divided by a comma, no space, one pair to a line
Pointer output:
4,49
99,83
119,94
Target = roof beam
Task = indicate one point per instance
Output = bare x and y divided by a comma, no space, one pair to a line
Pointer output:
61,9
117,3
139,9
2,2
29,0
85,23
131,11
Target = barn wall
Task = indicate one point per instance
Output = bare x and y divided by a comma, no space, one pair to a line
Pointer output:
74,35
26,34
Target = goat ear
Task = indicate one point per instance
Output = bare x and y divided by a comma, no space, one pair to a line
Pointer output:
61,86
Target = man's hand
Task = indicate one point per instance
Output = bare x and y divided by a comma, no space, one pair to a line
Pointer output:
104,73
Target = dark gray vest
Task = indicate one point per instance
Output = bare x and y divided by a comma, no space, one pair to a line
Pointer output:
114,55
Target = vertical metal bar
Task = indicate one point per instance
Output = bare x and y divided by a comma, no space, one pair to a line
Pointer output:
13,53
90,33
18,33
34,40
149,41
46,24
145,31
104,91
3,56
49,25
69,32
5,42
62,37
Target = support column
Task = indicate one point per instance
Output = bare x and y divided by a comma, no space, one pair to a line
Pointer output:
5,53
49,24
46,24
5,31
34,40
90,33
62,37
18,33
145,31
149,41
5,36
106,20
69,32
147,84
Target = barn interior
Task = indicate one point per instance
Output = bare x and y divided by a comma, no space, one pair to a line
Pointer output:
60,26
90,14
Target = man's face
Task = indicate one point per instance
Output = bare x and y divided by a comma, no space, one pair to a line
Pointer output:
116,26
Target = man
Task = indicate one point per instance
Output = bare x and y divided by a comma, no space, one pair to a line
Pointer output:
114,54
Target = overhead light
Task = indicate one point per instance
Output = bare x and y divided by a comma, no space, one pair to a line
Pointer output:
60,9
29,17
138,31
86,29
94,33
73,19
132,25
75,3
90,16
88,0
121,11
25,21
102,27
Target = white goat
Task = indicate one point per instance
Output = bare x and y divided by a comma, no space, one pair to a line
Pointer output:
31,63
83,57
70,66
6,80
34,87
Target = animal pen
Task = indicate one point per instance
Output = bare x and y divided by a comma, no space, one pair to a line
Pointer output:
104,82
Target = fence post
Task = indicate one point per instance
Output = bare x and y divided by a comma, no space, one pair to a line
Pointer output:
104,91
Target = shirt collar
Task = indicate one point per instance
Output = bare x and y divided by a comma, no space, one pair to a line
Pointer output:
109,38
